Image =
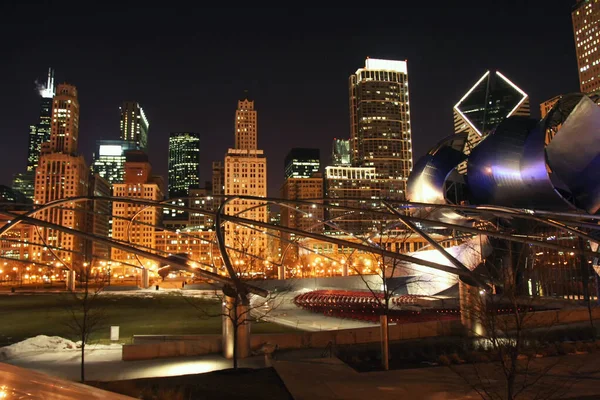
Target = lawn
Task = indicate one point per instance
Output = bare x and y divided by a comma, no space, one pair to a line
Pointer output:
27,315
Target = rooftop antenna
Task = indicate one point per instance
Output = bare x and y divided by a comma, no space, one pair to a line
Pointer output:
48,91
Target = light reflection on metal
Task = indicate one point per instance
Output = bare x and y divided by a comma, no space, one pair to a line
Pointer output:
574,154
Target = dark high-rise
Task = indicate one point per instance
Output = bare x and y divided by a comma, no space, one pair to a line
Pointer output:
340,152
380,133
184,162
490,100
40,132
301,163
134,124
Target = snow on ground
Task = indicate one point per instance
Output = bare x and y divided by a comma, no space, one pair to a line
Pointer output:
47,344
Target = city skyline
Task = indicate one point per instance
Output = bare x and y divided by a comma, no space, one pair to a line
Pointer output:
185,99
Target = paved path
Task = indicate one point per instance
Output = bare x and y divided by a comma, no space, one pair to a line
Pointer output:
330,378
106,365
285,312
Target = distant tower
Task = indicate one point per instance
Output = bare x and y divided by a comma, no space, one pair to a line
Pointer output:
109,159
65,120
586,22
245,125
61,174
184,162
134,124
490,101
245,173
340,153
40,132
301,163
380,134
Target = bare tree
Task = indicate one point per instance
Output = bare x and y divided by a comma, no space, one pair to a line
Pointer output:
502,321
84,314
377,273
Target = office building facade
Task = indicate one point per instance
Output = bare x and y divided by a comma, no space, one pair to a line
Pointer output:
184,162
62,173
380,135
134,124
586,22
109,159
301,163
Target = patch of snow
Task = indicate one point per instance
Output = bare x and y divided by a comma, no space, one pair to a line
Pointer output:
40,343
49,344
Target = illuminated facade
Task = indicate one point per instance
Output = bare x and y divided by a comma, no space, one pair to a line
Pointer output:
246,126
184,162
586,18
547,105
138,184
24,182
245,173
490,101
60,174
360,183
304,217
99,221
380,134
301,163
198,245
109,159
340,153
134,124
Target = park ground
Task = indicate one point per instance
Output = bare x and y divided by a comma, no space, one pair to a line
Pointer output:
27,315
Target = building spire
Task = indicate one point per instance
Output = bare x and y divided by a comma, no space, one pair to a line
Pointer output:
48,91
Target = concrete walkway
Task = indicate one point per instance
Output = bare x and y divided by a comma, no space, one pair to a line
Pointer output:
575,376
106,365
285,312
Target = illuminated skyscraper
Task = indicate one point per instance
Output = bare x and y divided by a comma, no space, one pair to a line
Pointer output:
246,125
184,162
301,163
305,217
380,134
134,124
60,174
40,133
109,159
586,23
491,100
245,173
140,184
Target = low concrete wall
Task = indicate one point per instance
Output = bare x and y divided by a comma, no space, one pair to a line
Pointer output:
171,346
162,346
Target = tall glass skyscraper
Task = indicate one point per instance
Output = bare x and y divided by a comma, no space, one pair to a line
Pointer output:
380,133
134,124
184,162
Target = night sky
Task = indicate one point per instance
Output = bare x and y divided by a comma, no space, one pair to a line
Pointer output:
187,67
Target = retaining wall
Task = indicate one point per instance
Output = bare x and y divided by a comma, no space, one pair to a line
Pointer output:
146,347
